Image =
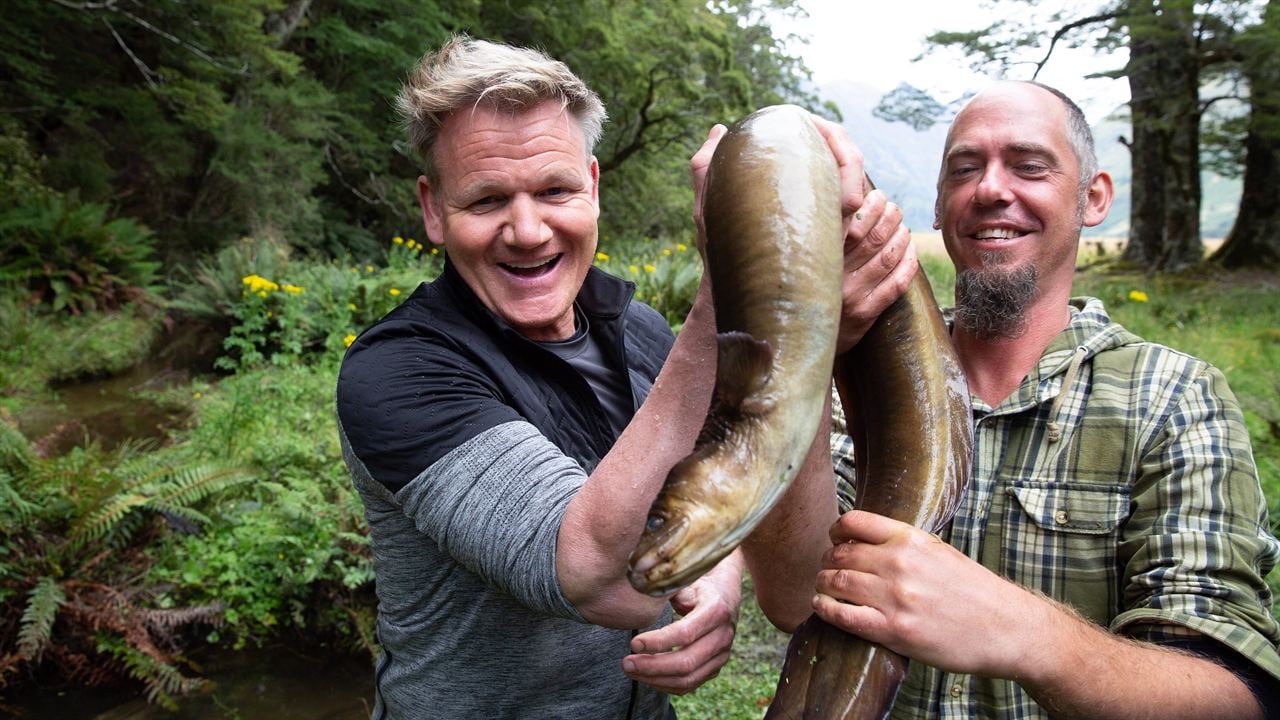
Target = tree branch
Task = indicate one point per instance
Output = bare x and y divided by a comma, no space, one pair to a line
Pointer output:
147,73
1062,31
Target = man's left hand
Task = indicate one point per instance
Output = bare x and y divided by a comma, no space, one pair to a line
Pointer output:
680,657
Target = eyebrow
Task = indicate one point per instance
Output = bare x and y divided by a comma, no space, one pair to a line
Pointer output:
1019,148
560,177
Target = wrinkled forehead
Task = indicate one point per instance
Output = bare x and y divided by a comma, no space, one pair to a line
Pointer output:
1009,115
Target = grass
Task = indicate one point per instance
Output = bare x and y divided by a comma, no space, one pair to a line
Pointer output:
1230,320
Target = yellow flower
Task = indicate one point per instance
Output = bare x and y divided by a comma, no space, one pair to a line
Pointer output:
269,313
346,341
435,251
634,269
262,293
681,247
649,268
1138,296
394,291
292,289
351,307
368,268
653,299
398,240
666,251
602,256
197,395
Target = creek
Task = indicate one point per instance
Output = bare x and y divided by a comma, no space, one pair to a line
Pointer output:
273,683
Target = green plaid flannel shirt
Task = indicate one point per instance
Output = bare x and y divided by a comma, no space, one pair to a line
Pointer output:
1138,504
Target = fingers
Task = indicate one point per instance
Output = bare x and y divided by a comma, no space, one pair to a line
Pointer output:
683,655
861,620
879,263
698,165
866,527
848,160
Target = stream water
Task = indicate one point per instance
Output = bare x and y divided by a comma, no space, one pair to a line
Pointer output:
274,683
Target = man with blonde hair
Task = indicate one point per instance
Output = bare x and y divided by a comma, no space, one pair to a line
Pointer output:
510,423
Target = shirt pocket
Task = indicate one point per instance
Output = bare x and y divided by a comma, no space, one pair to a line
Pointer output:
1062,539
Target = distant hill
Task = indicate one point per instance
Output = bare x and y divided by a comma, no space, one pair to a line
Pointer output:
905,163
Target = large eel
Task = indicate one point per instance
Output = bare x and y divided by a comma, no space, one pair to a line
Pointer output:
774,251
907,403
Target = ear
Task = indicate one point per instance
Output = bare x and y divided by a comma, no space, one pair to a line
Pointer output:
594,169
432,217
1097,200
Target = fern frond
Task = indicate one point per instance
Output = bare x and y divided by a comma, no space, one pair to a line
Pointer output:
97,523
186,513
186,486
14,508
37,618
178,617
160,677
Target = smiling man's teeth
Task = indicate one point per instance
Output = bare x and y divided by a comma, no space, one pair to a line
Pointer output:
996,234
531,265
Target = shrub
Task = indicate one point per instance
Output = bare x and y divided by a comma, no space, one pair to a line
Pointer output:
71,256
72,534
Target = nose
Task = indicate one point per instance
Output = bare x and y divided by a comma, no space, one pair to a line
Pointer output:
994,187
526,226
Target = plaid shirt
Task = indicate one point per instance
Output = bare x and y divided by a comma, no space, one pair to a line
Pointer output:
1138,504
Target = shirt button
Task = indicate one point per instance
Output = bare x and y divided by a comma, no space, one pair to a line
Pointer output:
956,691
1061,517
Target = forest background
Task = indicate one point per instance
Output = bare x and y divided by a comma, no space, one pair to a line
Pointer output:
203,201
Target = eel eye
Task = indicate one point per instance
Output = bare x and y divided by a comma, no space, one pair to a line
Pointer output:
654,523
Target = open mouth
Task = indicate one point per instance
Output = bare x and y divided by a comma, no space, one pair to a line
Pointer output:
998,234
534,268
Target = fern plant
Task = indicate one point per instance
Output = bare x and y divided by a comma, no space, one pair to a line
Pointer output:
72,571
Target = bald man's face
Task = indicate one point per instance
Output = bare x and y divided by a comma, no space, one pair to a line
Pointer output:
1008,191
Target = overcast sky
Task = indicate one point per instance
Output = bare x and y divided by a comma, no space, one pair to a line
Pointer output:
873,42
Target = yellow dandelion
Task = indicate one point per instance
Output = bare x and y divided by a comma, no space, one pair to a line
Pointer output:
666,252
634,269
351,307
435,251
346,341
681,247
394,291
398,240
197,395
602,257
649,268
1138,296
368,268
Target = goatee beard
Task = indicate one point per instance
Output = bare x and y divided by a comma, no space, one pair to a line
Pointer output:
991,301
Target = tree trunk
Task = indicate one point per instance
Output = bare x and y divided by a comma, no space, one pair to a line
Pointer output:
1164,215
1254,240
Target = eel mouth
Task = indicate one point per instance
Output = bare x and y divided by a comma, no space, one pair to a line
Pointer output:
654,563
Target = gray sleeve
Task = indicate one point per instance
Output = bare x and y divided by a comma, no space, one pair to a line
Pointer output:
495,504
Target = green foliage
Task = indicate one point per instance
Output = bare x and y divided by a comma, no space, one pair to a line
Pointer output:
666,278
38,348
72,257
37,619
292,552
277,322
72,558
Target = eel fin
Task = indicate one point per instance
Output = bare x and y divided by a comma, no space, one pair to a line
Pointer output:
744,366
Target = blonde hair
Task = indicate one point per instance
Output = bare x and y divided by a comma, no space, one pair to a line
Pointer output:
466,72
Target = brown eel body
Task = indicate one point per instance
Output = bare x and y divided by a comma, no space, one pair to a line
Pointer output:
907,403
774,252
